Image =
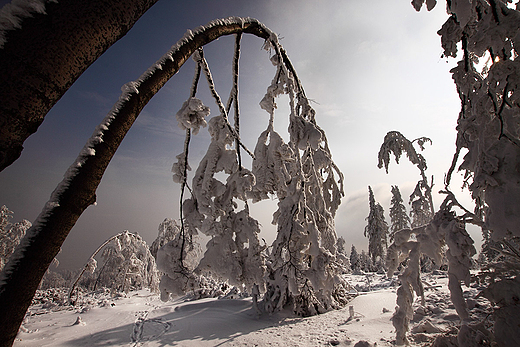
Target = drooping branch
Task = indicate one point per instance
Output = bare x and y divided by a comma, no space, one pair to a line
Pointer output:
396,143
184,163
220,104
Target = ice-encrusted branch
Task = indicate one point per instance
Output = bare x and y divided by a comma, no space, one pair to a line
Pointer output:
218,100
77,190
236,59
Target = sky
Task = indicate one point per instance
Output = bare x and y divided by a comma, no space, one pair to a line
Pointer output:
369,67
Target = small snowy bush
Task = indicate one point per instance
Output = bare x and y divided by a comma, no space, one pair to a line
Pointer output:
127,264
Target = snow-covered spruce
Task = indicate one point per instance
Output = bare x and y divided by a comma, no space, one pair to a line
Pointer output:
376,230
355,263
399,220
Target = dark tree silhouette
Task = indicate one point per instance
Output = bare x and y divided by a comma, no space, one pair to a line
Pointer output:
43,58
376,229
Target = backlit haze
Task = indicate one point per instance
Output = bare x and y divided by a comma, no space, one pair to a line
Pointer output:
369,67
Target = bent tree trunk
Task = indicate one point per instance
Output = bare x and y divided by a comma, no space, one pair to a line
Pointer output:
26,267
43,58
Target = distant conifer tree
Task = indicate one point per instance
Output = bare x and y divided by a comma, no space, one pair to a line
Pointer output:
398,217
376,229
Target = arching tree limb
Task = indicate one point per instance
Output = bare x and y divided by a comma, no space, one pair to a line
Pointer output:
25,269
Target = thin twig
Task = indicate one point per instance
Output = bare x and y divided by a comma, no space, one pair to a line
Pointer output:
220,105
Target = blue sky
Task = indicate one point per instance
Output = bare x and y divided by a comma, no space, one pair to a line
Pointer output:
369,66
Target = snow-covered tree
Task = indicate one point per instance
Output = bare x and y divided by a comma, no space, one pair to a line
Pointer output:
445,228
177,260
487,81
234,252
10,234
168,229
53,279
430,232
421,201
341,255
302,267
127,264
376,230
365,261
340,245
398,217
420,206
355,263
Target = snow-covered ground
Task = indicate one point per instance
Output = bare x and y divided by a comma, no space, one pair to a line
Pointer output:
141,319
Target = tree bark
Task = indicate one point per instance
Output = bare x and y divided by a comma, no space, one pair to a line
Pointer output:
25,269
40,61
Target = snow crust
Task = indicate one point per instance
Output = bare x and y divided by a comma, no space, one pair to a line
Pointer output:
140,318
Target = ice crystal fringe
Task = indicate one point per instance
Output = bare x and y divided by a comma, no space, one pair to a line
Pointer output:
13,13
